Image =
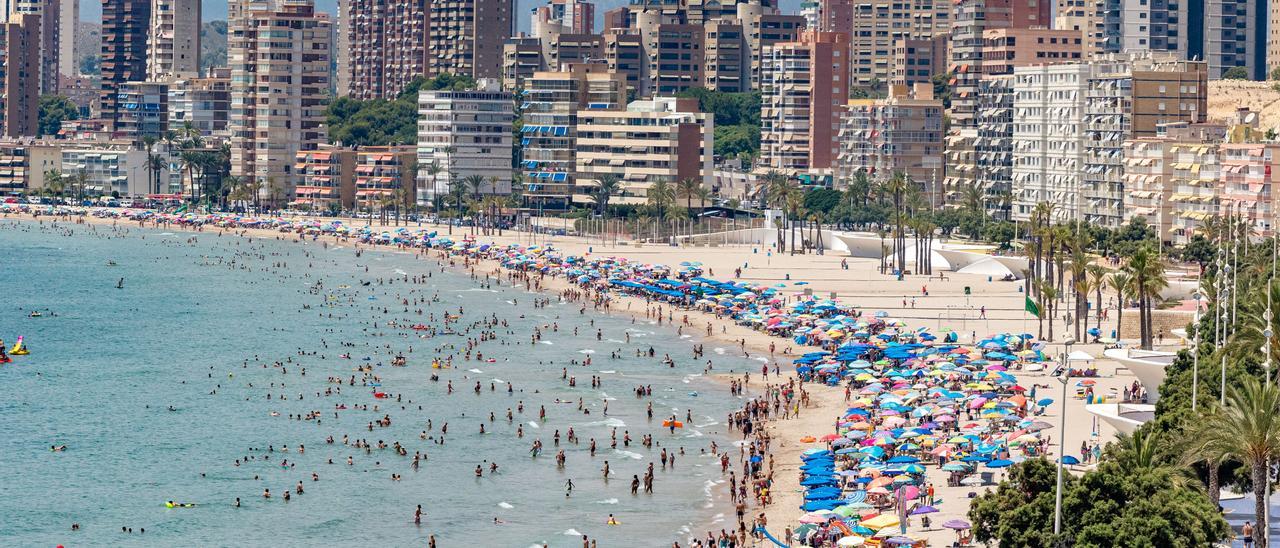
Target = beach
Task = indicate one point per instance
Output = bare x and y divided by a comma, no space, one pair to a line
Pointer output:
956,302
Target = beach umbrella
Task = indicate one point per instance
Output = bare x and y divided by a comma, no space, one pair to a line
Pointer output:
924,510
1069,460
957,524
882,521
1000,463
851,540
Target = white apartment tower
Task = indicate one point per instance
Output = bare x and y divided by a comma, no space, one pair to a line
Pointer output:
462,134
1049,138
173,41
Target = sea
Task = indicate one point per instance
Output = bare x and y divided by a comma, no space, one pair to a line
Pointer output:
170,366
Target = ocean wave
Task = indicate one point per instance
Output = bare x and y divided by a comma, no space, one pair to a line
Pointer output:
572,533
473,370
586,351
401,272
718,350
545,342
628,454
506,505
616,423
607,501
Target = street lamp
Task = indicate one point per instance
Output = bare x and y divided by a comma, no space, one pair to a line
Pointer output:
1065,379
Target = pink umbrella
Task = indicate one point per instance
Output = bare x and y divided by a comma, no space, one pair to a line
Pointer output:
977,403
910,492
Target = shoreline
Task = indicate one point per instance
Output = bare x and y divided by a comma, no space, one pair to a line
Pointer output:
785,449
818,414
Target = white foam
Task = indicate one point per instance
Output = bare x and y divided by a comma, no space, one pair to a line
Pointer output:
505,505
628,454
586,351
761,359
686,336
545,342
616,341
718,350
533,425
607,501
475,370
572,533
401,272
499,381
615,423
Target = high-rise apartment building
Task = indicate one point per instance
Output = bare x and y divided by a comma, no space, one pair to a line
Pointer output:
521,58
879,24
563,17
804,87
1049,138
551,104
466,36
386,45
917,60
1131,96
203,104
50,43
464,133
901,133
144,111
971,18
1228,34
125,24
173,46
279,55
1095,22
19,70
68,24
661,139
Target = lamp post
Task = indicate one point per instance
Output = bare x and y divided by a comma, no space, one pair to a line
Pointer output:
1064,378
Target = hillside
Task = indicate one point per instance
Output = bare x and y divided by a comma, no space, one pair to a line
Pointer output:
1227,95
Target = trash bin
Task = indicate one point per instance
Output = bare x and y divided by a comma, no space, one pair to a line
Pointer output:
967,290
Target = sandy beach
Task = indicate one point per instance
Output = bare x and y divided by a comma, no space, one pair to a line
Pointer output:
956,302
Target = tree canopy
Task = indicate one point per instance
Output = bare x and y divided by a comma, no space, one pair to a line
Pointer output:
380,122
736,117
54,109
1113,505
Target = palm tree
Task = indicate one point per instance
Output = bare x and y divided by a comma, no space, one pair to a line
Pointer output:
661,196
458,193
973,199
153,177
607,186
1255,318
1122,284
433,169
1246,429
1049,296
897,188
687,189
1097,280
1148,281
795,214
54,182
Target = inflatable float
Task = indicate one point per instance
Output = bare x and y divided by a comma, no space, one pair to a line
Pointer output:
19,349
669,423
808,439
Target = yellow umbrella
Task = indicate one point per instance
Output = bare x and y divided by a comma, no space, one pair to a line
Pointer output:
881,521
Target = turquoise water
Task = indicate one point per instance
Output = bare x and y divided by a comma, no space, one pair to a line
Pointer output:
107,365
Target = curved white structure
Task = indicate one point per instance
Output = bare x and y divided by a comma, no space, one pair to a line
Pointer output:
1147,365
1124,417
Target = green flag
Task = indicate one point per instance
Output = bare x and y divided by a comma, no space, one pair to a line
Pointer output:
1032,307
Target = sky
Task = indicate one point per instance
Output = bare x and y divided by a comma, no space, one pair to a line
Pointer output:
91,10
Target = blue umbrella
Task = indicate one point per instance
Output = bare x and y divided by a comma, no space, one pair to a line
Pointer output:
999,463
903,459
1068,459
